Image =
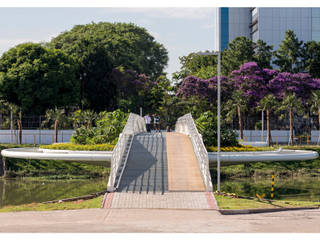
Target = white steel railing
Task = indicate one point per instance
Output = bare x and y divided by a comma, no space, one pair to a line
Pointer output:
186,125
135,124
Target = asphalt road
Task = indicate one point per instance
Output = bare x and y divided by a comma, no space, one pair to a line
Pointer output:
159,220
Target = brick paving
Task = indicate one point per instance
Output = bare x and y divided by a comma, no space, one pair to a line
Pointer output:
168,200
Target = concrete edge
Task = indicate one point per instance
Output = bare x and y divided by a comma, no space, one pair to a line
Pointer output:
261,210
85,197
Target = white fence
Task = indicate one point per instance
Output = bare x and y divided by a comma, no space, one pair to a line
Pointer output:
34,136
278,136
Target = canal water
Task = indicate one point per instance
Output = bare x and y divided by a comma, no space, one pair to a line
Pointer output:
304,188
22,191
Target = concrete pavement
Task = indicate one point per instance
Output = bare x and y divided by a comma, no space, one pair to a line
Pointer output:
159,220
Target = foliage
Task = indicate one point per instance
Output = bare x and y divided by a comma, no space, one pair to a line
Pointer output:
99,48
83,118
108,127
79,147
311,58
36,78
288,56
239,51
207,127
53,115
240,148
263,54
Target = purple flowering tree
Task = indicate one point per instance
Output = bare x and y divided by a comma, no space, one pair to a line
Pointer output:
293,90
250,83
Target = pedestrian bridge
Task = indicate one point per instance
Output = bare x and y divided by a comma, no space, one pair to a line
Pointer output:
158,170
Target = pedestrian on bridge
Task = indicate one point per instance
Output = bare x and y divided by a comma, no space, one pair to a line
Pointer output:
156,122
147,119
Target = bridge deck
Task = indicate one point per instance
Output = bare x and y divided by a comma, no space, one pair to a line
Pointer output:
183,169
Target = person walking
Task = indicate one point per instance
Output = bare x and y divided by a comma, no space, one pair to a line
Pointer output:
147,119
156,122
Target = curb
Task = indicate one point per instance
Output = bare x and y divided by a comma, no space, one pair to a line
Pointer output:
86,197
262,210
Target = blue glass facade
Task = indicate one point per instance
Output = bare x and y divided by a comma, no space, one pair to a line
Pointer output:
224,28
315,24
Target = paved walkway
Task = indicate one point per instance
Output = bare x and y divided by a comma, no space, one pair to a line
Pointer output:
159,220
168,200
183,169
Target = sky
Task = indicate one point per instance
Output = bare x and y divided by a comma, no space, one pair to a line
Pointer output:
180,30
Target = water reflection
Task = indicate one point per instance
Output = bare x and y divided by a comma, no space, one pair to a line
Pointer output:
296,188
21,191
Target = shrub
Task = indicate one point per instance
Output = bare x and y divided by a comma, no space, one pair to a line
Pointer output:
79,147
108,127
207,126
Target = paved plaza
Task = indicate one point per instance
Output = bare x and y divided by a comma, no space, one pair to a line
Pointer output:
159,220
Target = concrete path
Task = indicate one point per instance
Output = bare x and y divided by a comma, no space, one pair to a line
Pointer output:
159,220
183,169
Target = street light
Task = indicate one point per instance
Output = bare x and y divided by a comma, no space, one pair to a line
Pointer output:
217,53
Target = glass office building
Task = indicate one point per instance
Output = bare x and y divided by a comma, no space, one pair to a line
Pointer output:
269,24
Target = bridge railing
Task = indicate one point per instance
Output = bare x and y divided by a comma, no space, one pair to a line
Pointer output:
135,124
186,125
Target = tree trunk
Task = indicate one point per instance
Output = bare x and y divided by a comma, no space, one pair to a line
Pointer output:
56,122
240,122
268,128
291,126
20,131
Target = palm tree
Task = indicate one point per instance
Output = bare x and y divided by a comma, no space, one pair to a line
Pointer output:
58,116
293,104
85,117
315,107
236,106
268,103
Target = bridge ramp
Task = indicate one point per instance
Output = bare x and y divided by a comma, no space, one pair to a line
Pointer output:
183,169
146,169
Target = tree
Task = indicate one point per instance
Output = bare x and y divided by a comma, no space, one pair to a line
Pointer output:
36,78
293,90
101,47
268,103
315,107
262,54
288,56
57,116
239,51
202,66
311,58
237,105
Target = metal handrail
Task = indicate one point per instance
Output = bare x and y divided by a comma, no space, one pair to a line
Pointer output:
186,125
135,124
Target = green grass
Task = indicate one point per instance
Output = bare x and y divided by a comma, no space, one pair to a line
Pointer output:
80,204
225,202
79,147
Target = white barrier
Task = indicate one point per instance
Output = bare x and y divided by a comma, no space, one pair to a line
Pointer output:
35,136
279,136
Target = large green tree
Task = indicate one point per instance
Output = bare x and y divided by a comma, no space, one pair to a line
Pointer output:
311,58
288,56
239,51
101,47
263,54
36,78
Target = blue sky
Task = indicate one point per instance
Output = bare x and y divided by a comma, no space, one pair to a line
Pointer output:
180,30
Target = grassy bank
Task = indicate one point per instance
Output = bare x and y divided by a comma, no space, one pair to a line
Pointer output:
225,202
80,204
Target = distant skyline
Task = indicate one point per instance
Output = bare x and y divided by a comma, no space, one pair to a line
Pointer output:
180,30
